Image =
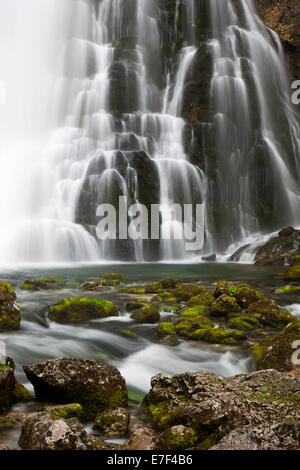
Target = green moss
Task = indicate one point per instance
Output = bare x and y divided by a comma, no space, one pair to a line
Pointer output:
21,394
4,367
154,288
270,314
180,440
186,326
224,305
79,309
205,299
69,411
288,290
166,329
219,336
195,311
209,442
184,292
292,273
137,291
8,291
146,314
10,321
244,322
275,352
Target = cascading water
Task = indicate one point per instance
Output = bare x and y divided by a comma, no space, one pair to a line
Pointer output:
185,103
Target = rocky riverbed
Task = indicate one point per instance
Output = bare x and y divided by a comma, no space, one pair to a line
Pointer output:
89,354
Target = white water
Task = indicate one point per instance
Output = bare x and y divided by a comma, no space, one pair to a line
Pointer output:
64,150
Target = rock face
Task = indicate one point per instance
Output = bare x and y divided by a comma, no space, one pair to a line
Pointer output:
48,434
81,309
281,249
214,409
10,317
284,18
97,387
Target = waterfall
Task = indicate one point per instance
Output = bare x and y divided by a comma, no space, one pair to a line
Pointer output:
118,82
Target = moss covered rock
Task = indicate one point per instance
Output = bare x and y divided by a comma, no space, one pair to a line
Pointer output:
279,351
131,306
166,329
224,305
205,298
80,309
154,288
180,437
220,289
196,310
112,423
10,317
270,314
214,406
43,283
184,292
244,322
21,394
73,410
219,336
146,314
186,326
95,386
245,295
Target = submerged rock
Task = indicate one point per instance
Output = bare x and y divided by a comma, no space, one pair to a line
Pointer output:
206,408
131,306
96,386
41,284
224,305
184,292
81,309
146,314
10,317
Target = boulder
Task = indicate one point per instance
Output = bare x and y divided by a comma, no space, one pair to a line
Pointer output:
113,422
269,314
279,351
223,306
146,314
10,317
96,386
44,433
184,292
213,407
81,309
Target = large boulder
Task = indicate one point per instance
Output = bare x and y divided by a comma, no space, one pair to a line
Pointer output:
44,433
96,386
81,309
10,317
209,407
